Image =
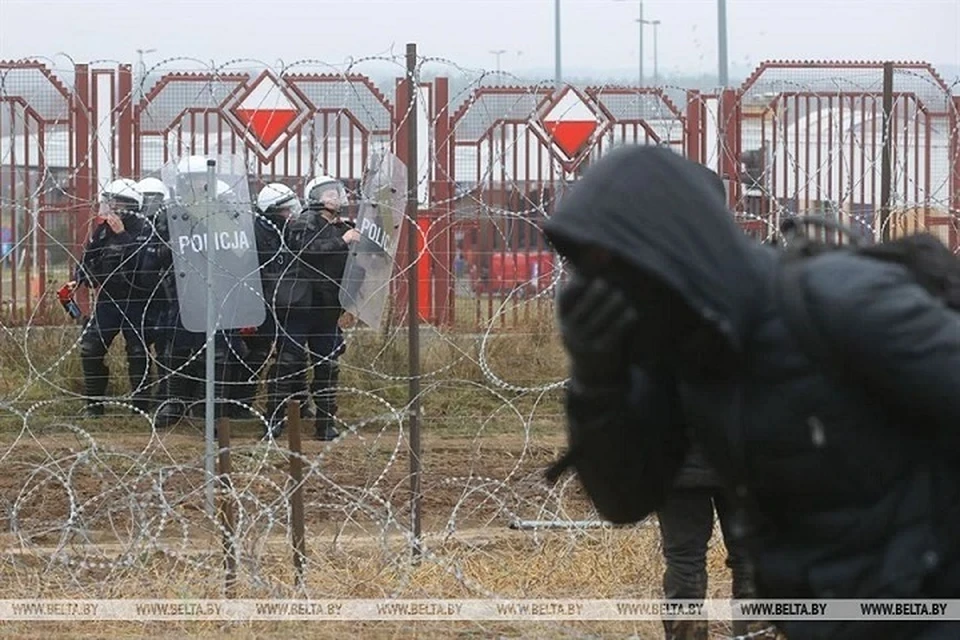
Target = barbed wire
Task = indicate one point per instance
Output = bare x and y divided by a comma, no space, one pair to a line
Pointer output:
115,505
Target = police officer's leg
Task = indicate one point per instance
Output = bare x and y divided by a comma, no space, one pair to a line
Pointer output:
287,376
98,335
686,524
182,372
325,348
160,345
258,348
230,353
137,357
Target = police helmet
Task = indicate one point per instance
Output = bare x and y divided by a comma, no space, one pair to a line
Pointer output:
277,197
325,192
154,187
121,196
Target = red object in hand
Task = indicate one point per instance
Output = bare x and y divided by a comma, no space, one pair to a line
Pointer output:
65,294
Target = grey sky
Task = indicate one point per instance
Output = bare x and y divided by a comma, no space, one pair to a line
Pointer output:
598,35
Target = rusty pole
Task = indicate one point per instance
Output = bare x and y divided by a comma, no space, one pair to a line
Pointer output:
886,157
296,500
413,311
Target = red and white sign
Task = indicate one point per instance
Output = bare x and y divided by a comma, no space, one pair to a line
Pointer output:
266,112
570,123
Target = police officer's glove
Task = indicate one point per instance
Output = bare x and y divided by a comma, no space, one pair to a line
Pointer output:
596,323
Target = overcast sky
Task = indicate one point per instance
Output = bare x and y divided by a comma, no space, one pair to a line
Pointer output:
598,35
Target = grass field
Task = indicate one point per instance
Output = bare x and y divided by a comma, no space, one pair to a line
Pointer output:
112,508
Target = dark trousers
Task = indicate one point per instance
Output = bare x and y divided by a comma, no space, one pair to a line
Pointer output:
110,318
184,367
305,339
686,525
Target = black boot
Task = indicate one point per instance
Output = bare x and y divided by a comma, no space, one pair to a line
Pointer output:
174,407
324,430
326,377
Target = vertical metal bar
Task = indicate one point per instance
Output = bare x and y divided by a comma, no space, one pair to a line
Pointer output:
125,122
227,513
916,151
886,155
211,331
339,144
928,166
873,174
722,42
413,304
806,155
863,150
296,498
17,229
818,191
557,76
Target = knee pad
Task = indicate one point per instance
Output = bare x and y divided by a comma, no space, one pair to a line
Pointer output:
91,346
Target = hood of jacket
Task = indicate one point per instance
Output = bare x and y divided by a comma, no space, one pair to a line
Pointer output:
667,217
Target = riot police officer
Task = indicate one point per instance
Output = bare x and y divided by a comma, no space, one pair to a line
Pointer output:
114,262
277,205
184,348
328,237
155,333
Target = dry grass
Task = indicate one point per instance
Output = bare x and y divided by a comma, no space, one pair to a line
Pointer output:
112,509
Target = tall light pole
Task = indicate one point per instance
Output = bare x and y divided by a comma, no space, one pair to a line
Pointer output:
141,71
640,23
722,42
498,53
557,76
656,71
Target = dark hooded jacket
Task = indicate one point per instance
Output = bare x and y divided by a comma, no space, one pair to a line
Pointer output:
849,485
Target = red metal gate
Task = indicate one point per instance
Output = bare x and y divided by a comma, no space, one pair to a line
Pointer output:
795,137
808,138
43,182
508,173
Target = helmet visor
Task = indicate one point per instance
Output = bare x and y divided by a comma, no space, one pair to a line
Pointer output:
117,206
289,206
329,194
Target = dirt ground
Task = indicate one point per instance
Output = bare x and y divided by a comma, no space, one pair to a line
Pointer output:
111,514
113,509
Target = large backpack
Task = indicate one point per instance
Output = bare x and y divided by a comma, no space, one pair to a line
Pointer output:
930,262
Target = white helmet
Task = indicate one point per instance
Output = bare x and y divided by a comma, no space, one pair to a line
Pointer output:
278,197
123,194
153,186
192,164
325,192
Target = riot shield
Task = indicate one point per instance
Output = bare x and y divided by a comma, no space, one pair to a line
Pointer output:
219,225
366,278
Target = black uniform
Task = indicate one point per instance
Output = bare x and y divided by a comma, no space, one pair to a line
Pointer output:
184,363
275,258
303,300
123,268
155,332
328,259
